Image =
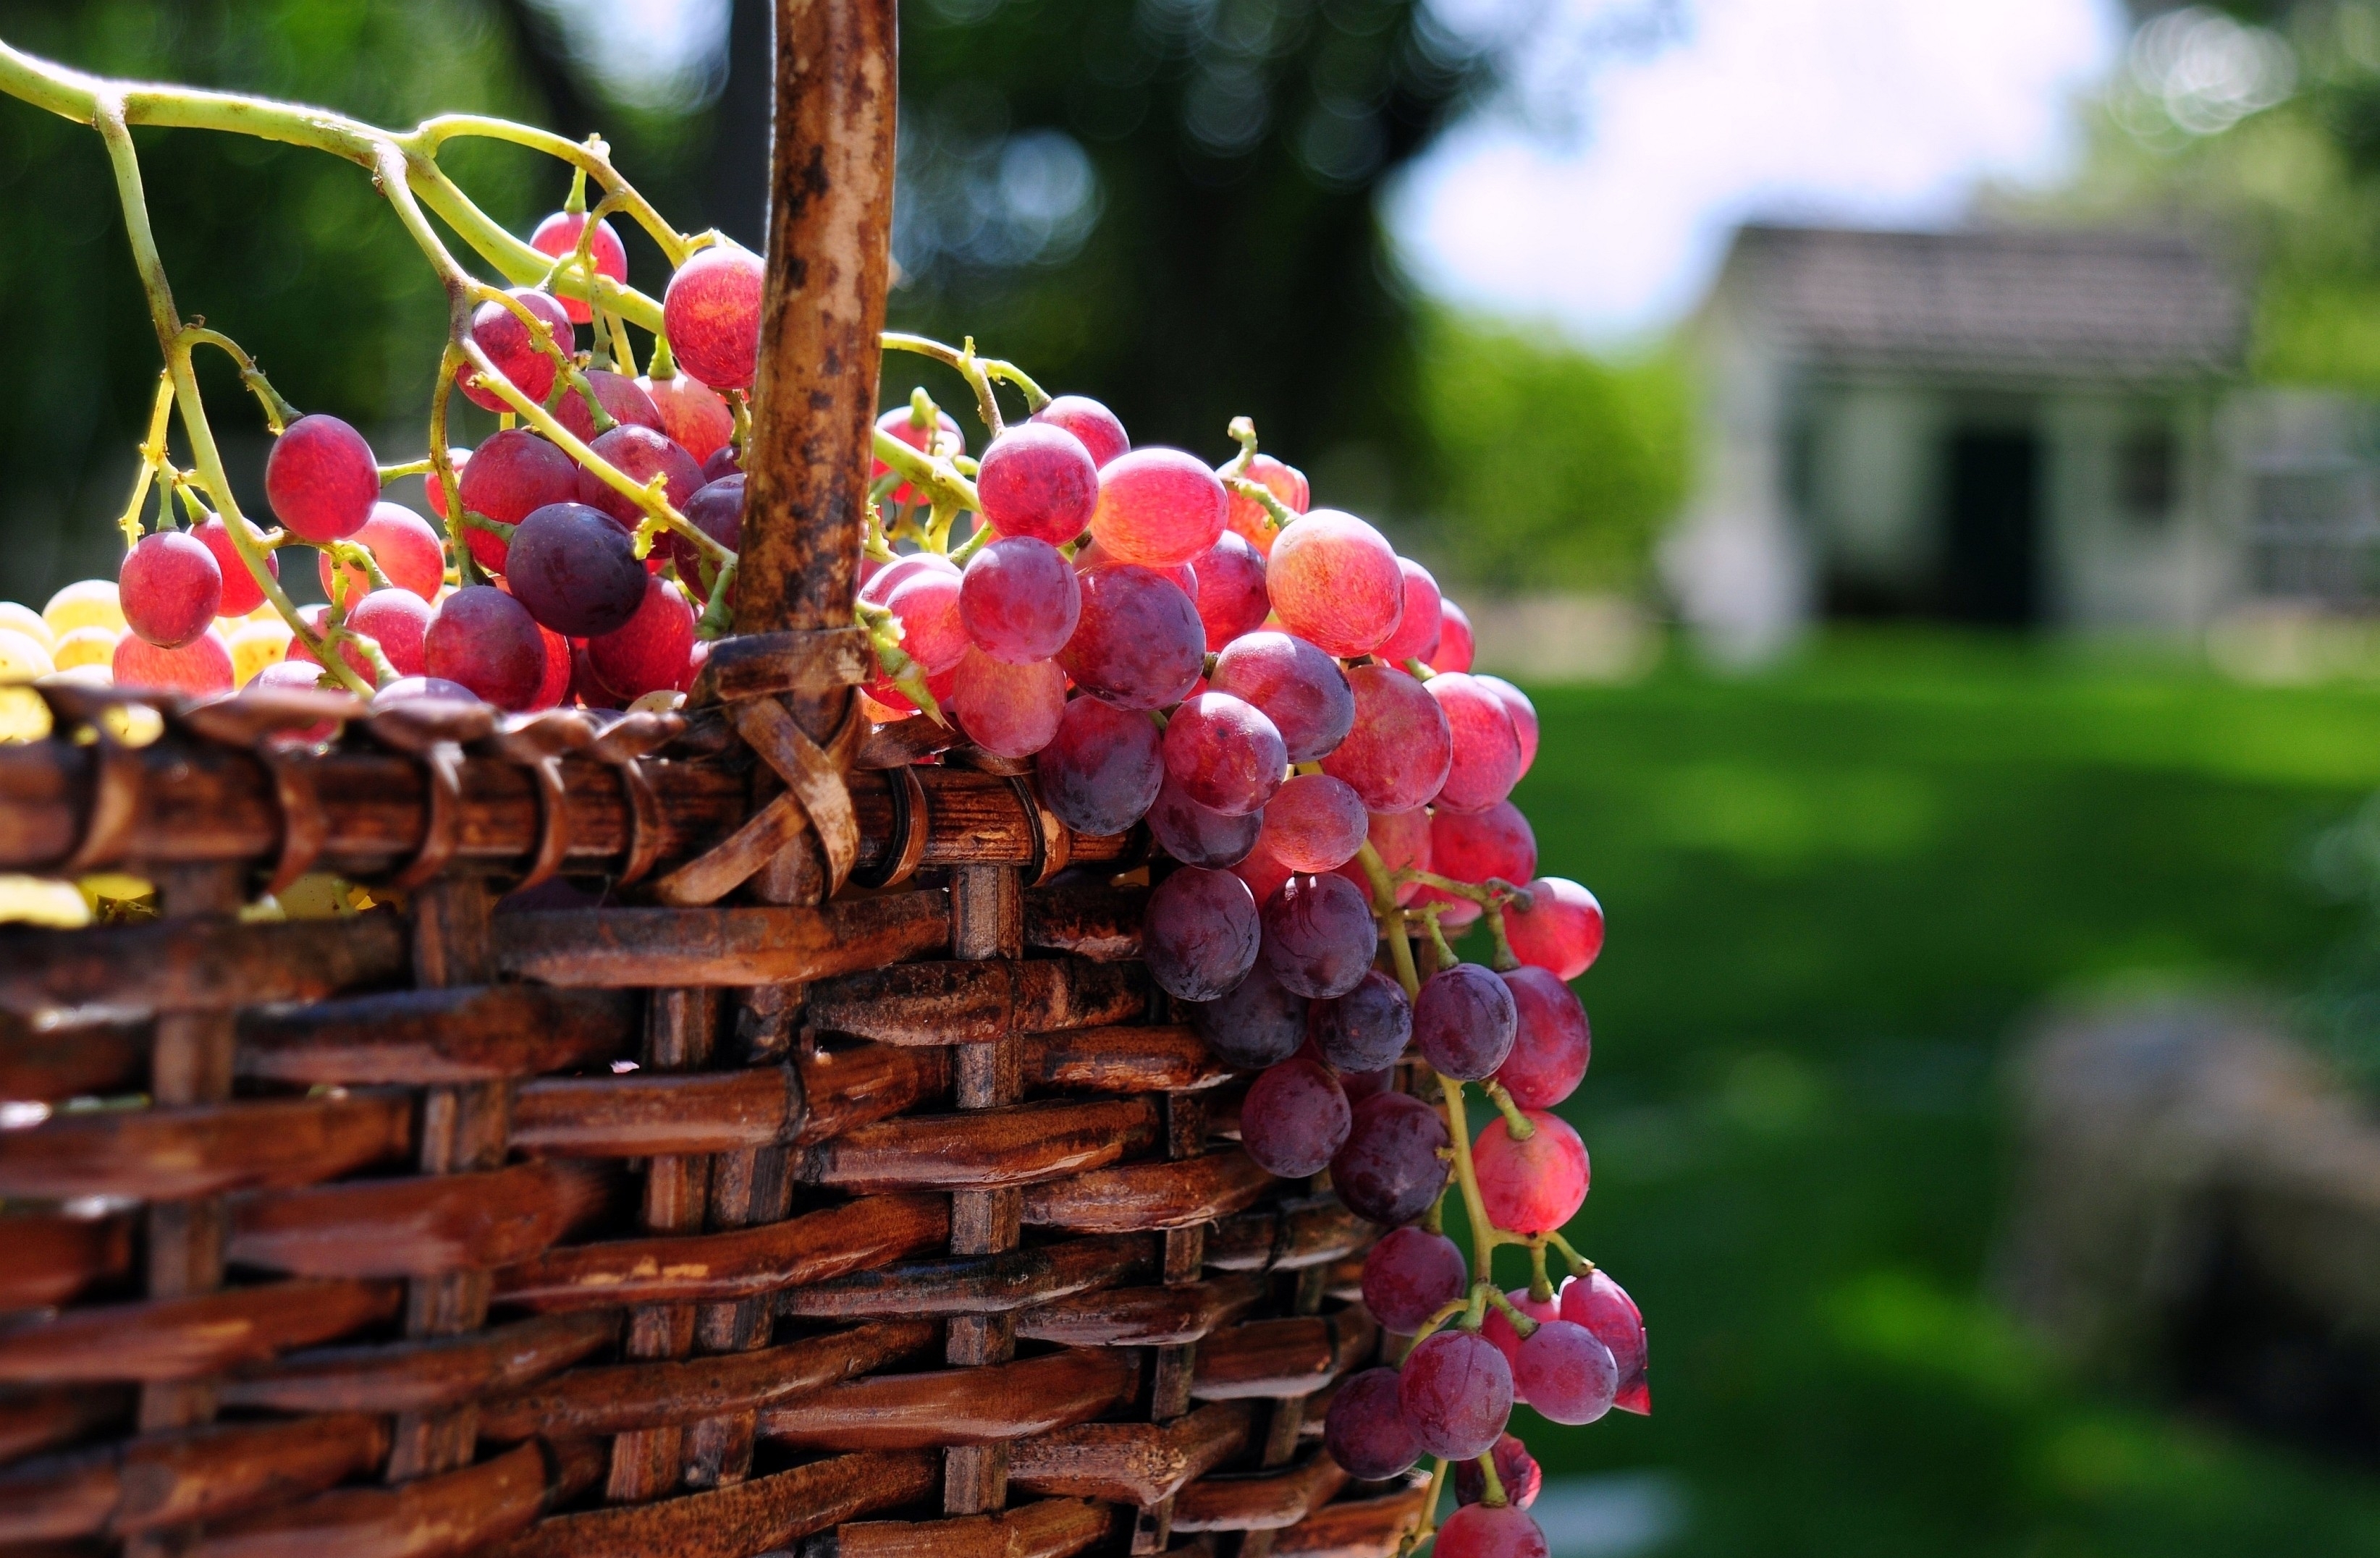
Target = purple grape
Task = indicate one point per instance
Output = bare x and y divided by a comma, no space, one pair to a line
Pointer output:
1224,753
1456,1391
1463,1019
1101,772
1019,600
717,510
1301,690
640,454
1365,1430
1410,1276
1199,934
1390,1171
1564,1372
576,570
1365,1028
1604,1307
1255,1024
1138,643
1294,1118
1195,835
1319,936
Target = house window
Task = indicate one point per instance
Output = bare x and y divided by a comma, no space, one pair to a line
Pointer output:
2148,474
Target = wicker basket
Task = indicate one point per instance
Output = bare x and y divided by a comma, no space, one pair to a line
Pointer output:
829,1177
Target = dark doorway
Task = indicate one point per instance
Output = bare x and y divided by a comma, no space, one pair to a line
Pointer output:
1992,564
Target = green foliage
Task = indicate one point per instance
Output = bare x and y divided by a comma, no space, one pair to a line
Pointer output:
1551,468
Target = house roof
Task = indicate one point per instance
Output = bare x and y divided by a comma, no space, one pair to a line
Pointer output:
1994,303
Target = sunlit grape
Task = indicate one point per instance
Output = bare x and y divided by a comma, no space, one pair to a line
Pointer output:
558,235
1094,423
713,313
1561,929
1334,582
1550,1042
1401,748
1532,1187
1157,507
1301,690
1039,480
322,478
170,585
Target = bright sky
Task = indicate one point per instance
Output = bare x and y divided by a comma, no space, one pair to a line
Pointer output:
1871,112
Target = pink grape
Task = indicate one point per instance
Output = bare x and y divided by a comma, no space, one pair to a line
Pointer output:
902,423
1417,635
1565,1373
422,689
1008,710
712,314
1231,596
692,414
508,478
1319,936
929,603
648,653
717,510
621,399
878,589
1294,1118
407,550
1464,1021
1092,555
1532,1187
1390,1171
1254,1025
1410,1276
1515,1468
1524,715
1551,1045
640,454
1249,519
512,350
1480,1530
576,570
321,479
1264,874
1604,1307
1019,599
1157,507
1301,690
434,492
487,641
201,667
170,586
1365,1028
1101,435
293,676
1454,641
1102,769
1313,823
1334,582
1198,835
1365,1431
1138,643
1456,1390
242,593
558,235
1561,929
1485,761
1473,845
1199,934
396,620
1507,1338
1037,481
1224,753
1398,754
1401,840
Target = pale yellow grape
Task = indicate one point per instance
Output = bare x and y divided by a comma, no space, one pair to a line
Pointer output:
85,603
23,716
86,675
255,645
32,900
25,619
23,657
87,646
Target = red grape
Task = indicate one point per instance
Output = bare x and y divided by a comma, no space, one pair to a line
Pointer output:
1390,1171
1313,823
1401,840
1486,750
1334,581
1249,519
508,478
1157,507
648,653
1532,1187
169,587
1398,754
513,348
1550,1042
1037,481
1524,715
1604,1307
1254,1025
1138,643
878,590
933,630
1261,870
717,510
396,619
1480,1530
558,235
1019,600
1102,769
1231,596
1301,690
1101,435
1092,555
1417,635
1455,642
294,676
1515,1468
621,401
487,641
1199,934
1367,1028
587,687
1008,710
902,424
321,479
1456,1390
434,492
1565,1373
422,689
1198,835
1507,1338
1464,1020
201,667
1294,1118
1224,753
407,550
712,314
1472,847
556,685
1365,1430
692,414
640,454
1319,936
1561,929
242,593
1410,1276
576,570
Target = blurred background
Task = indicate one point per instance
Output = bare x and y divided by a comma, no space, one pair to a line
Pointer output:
1920,456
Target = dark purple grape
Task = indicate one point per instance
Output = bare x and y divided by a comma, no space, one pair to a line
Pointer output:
1463,1019
1319,936
1366,1430
1456,1390
576,570
1294,1118
1101,772
1138,643
1195,835
1301,690
1410,1276
717,510
1255,1024
1565,1373
1365,1028
1515,1468
722,463
1199,934
1390,1171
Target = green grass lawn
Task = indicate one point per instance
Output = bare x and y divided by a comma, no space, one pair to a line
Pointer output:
1833,893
